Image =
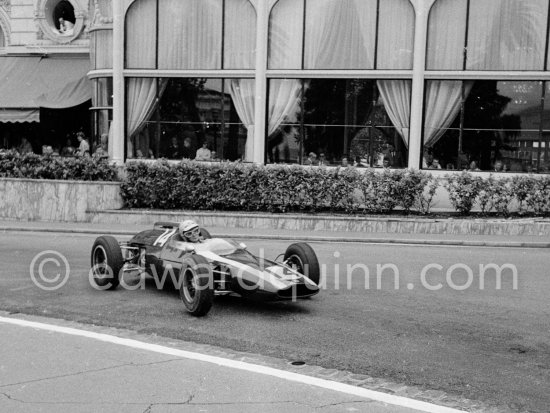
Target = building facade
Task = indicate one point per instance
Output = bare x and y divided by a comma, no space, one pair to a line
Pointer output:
417,83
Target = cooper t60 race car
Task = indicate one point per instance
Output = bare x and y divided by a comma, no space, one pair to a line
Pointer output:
210,267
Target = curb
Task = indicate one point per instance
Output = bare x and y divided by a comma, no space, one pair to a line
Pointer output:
468,243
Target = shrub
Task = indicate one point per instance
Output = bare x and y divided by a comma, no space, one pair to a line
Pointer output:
14,165
463,190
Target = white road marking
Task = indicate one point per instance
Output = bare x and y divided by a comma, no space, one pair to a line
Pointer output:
240,365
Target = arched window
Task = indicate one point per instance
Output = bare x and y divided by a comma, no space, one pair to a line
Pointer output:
497,35
341,34
187,34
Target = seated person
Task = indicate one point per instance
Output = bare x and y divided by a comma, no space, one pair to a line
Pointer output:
345,161
187,151
322,159
435,164
189,231
498,166
68,149
312,159
473,167
386,163
66,27
203,154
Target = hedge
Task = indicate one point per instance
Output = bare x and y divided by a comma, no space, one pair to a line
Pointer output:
14,165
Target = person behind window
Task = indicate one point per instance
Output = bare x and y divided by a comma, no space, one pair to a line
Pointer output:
435,164
345,161
189,231
450,166
83,146
25,147
386,164
68,149
203,154
312,159
473,167
174,150
66,27
322,159
187,151
498,166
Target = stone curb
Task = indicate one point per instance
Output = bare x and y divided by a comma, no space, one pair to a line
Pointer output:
308,238
437,397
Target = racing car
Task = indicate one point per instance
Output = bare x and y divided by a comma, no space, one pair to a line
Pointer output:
213,266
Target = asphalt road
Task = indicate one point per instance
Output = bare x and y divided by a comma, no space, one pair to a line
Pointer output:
488,344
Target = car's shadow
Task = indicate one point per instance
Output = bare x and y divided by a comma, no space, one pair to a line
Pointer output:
238,304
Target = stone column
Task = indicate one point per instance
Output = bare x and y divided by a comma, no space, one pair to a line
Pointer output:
116,151
260,104
422,11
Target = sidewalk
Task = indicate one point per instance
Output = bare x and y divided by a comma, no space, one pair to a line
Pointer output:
55,366
518,241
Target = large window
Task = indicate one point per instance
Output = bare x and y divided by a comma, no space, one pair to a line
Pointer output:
172,118
488,35
364,121
477,125
190,34
102,110
341,34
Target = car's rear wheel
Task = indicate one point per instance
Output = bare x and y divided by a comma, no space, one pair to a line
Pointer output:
205,234
107,262
302,258
197,285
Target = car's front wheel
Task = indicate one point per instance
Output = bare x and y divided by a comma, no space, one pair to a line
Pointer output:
196,285
302,258
107,262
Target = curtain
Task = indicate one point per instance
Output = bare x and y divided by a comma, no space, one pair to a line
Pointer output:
395,35
284,101
286,35
242,93
443,101
335,34
239,35
101,49
507,34
190,34
396,95
141,33
446,35
142,101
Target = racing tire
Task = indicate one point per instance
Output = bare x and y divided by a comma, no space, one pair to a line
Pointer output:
205,234
196,285
106,262
303,259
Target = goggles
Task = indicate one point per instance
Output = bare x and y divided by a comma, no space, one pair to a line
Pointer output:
193,232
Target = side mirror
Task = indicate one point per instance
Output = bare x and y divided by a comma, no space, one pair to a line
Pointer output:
242,245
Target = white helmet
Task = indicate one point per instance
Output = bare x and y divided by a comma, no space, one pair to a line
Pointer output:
189,230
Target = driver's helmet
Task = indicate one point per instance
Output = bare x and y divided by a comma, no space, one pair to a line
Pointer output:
189,231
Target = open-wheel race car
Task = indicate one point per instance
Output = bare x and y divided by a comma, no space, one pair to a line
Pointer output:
204,269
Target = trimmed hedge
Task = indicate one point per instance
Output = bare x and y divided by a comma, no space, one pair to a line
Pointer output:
31,166
273,188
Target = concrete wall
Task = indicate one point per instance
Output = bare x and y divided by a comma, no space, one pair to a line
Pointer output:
64,201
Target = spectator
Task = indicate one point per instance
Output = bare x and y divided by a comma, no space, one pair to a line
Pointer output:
450,167
214,156
84,146
203,154
312,159
187,150
322,159
345,161
66,27
473,167
174,150
100,152
498,166
386,164
435,164
68,149
25,147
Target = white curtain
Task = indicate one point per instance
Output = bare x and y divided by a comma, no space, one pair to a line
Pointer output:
446,35
190,34
396,95
141,33
242,93
395,35
239,35
335,34
284,102
443,100
286,35
142,101
507,34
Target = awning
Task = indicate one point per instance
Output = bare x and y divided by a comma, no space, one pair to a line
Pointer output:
28,83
